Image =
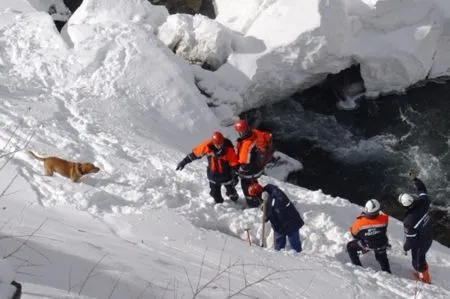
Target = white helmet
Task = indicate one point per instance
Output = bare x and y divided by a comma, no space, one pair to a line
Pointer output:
405,199
372,207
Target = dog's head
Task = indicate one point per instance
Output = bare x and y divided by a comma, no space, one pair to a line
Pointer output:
86,168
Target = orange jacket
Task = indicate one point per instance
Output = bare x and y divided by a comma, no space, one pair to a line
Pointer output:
371,231
245,146
251,158
219,161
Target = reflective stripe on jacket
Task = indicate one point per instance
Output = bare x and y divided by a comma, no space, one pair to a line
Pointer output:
371,231
250,157
417,221
220,161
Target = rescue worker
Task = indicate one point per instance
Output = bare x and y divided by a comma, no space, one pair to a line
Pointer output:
221,161
254,150
369,231
418,227
282,214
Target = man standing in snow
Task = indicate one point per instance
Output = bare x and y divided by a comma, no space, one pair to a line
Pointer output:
418,228
254,150
222,160
369,231
282,214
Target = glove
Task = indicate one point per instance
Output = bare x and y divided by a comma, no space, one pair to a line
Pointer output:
412,175
183,162
261,207
364,250
405,249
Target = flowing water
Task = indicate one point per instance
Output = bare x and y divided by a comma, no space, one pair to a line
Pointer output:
366,152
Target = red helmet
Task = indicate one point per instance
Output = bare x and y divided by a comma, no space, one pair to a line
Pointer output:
255,189
241,126
217,139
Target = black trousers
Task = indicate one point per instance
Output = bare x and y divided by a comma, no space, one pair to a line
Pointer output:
418,256
216,192
353,248
252,202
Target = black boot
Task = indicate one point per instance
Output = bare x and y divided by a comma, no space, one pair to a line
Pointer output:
352,249
231,193
381,257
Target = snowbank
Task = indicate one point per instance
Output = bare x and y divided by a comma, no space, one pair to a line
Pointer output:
26,53
16,6
397,43
197,39
56,8
114,11
115,40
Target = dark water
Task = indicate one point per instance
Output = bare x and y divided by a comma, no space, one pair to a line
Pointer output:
365,153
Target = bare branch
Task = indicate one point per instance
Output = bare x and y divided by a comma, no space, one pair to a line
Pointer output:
115,286
90,272
70,280
189,281
221,254
213,279
166,288
149,284
26,241
201,269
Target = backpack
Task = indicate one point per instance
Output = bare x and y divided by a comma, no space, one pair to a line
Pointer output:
263,141
263,145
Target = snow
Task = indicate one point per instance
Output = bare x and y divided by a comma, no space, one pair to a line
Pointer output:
200,40
112,93
397,43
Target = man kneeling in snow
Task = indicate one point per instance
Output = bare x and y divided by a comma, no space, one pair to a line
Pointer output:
369,231
282,214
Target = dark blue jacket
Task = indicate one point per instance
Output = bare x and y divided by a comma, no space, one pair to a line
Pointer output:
281,212
417,221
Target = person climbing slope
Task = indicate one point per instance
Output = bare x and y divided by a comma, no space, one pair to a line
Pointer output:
222,161
254,150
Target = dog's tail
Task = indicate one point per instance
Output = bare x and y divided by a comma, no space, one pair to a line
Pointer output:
35,156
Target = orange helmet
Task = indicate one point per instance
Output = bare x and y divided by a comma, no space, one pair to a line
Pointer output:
241,126
255,189
217,139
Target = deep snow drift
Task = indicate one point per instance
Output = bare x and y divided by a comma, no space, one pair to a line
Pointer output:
112,93
282,46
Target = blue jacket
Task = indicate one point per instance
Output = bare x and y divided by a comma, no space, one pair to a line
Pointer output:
417,221
281,212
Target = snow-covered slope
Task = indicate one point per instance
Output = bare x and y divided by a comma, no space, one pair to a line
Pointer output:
116,96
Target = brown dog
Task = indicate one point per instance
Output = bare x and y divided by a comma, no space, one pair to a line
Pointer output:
72,170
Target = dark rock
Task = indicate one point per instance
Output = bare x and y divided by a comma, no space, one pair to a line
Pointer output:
192,7
72,5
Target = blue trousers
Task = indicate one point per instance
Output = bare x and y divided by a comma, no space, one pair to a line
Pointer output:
294,240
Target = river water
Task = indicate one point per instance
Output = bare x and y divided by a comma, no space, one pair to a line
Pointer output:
366,152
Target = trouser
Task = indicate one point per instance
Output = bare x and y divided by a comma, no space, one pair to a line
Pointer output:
354,247
251,201
216,192
418,256
279,240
